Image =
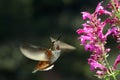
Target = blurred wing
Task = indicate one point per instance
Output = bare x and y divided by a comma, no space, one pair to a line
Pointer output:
64,46
33,52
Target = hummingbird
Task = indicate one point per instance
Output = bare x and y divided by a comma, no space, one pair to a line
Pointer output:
45,56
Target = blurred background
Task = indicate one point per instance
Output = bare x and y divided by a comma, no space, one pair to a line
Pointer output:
34,21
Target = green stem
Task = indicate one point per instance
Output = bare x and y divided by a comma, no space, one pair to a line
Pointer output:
107,79
114,77
112,2
111,72
108,65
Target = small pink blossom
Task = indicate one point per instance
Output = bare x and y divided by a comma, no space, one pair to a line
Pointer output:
117,61
95,65
80,31
116,33
100,73
89,47
100,10
117,4
86,15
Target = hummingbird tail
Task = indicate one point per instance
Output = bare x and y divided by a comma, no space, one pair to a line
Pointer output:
34,71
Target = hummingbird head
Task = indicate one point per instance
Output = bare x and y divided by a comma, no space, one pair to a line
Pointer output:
55,44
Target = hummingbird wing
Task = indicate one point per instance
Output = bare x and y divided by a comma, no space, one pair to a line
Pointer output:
34,52
63,46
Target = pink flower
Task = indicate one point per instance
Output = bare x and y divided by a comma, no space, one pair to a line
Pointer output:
85,39
117,4
95,65
80,31
100,74
100,10
86,15
92,33
117,61
116,33
89,47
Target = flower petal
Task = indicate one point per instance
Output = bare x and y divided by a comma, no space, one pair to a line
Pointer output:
117,61
79,31
95,65
86,15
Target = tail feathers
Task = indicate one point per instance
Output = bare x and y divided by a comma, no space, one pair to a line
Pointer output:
46,69
35,70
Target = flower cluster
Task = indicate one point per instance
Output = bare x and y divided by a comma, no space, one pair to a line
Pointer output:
94,40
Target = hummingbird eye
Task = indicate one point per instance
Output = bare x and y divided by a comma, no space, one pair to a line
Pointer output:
54,45
53,42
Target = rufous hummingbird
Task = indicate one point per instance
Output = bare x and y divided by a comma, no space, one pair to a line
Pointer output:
45,56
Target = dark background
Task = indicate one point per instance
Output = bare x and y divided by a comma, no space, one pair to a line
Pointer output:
34,21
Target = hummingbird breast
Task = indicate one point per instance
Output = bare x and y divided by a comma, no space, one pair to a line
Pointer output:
56,55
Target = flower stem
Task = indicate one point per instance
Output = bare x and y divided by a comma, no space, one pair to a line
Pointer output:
107,79
111,72
114,77
113,5
108,65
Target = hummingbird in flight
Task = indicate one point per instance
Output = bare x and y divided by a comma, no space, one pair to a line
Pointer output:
45,56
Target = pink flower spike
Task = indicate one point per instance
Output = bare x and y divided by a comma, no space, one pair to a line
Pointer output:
117,61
